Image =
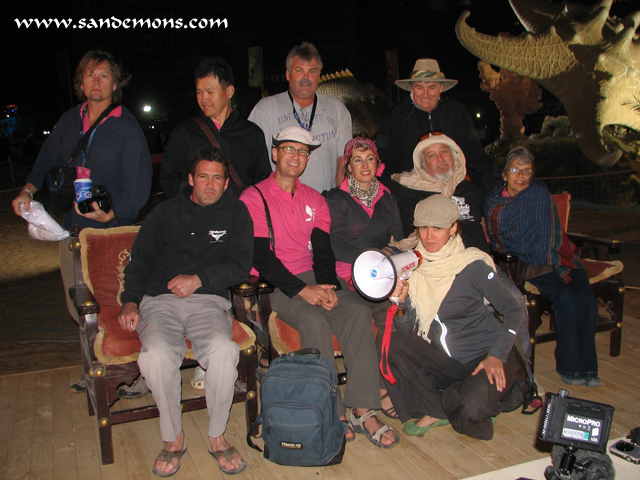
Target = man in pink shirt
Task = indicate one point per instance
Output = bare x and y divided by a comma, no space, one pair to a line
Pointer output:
294,254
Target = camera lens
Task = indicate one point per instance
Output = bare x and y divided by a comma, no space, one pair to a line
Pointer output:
624,446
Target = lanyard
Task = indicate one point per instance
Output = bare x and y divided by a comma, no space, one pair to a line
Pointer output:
92,132
313,113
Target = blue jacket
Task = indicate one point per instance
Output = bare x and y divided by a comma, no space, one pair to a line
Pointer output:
117,155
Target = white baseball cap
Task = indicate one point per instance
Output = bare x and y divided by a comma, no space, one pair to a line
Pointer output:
298,135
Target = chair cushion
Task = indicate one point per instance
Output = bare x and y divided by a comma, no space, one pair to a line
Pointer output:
600,270
241,334
105,254
286,339
596,270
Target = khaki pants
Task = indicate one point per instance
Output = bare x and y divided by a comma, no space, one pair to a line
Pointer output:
206,321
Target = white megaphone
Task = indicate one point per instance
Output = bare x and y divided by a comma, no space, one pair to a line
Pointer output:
375,274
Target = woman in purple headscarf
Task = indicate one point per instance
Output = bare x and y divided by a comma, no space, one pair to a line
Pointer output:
364,214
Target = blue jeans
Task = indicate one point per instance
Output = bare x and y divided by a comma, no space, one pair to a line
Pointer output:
575,311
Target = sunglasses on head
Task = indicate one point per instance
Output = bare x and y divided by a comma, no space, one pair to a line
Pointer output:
431,133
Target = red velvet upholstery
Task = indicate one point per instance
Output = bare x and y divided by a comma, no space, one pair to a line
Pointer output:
287,339
104,260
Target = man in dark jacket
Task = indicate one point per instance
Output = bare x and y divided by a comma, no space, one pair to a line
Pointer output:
425,111
241,140
187,253
115,156
440,167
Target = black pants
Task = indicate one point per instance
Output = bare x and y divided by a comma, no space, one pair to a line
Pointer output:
429,382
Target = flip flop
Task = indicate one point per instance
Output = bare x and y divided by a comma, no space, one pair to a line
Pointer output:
357,425
197,381
227,454
413,429
264,360
389,412
167,456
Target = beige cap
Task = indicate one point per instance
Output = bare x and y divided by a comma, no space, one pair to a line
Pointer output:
297,135
436,211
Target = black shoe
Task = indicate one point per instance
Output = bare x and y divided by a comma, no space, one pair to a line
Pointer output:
137,389
80,386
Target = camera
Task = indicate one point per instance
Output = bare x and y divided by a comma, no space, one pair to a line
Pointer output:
101,196
580,431
627,450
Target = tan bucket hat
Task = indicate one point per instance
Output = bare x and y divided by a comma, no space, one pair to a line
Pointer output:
426,70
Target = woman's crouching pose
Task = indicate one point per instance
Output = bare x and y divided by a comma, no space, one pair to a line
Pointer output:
451,357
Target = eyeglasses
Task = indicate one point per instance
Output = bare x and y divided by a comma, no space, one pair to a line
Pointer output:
431,133
526,172
301,151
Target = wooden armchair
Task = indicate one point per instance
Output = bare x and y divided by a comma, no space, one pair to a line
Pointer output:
110,354
604,275
274,337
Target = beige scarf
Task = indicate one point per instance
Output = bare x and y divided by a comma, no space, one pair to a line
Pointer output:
419,179
430,282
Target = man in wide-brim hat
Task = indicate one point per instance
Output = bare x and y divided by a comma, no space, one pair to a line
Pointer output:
426,111
427,70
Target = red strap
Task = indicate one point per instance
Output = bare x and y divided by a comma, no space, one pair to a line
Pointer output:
386,341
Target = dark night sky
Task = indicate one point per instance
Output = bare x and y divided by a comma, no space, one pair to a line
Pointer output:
32,66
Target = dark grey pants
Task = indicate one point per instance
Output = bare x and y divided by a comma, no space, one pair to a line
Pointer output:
429,382
350,321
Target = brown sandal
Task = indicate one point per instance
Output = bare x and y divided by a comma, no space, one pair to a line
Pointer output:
389,412
353,434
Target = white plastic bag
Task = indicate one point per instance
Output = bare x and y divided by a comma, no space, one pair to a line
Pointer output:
41,225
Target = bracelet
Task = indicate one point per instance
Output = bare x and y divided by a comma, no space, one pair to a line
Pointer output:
29,192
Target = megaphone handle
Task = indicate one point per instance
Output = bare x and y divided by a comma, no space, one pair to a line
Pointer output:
406,275
395,301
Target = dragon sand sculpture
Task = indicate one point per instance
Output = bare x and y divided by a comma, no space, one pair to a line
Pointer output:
589,61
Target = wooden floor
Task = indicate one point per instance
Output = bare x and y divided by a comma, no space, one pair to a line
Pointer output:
45,432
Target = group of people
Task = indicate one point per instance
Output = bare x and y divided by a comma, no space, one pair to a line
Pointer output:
299,217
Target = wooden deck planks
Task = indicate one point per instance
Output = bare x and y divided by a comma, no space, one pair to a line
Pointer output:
45,432
21,439
8,403
65,465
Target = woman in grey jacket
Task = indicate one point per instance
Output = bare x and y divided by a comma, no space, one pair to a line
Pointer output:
450,360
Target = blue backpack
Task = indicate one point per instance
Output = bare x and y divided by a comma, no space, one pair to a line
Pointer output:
300,426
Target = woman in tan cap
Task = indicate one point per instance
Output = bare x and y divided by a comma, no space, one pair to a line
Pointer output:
451,360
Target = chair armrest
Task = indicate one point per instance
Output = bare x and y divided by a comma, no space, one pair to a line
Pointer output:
503,257
84,300
596,247
252,286
259,290
88,308
614,246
